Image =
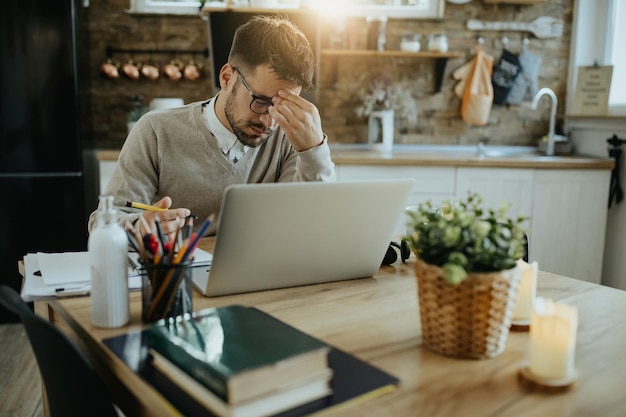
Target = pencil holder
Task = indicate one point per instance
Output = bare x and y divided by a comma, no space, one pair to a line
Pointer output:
167,291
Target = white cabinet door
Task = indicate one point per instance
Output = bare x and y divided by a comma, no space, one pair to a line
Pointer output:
499,185
431,183
569,221
105,168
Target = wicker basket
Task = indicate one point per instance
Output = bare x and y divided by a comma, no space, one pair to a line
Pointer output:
469,320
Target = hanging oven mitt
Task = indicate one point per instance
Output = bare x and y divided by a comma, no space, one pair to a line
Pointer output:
463,72
527,82
478,94
505,72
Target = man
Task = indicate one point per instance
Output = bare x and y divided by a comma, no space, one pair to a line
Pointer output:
256,129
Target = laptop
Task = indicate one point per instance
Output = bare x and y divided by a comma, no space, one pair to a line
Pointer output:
291,234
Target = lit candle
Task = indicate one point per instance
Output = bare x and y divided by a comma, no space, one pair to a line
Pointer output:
526,292
552,340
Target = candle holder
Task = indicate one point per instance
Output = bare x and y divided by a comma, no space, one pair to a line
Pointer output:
552,347
532,381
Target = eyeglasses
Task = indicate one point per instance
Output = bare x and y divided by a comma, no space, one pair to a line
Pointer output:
258,104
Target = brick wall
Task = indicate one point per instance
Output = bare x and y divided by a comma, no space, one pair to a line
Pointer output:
106,101
105,23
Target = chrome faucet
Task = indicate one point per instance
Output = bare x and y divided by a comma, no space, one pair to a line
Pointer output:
552,137
480,148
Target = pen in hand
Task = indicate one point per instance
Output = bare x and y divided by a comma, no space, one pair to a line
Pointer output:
142,206
148,207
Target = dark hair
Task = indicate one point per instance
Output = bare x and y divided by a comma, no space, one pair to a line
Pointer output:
277,42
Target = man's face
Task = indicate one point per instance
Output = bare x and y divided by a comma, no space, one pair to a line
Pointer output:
253,129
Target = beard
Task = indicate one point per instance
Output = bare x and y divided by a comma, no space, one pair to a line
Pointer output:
240,126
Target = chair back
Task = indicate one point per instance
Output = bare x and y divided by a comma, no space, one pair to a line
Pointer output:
72,386
526,248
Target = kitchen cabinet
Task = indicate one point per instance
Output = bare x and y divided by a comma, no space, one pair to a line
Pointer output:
566,208
569,222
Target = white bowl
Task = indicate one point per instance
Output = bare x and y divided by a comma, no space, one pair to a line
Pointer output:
263,3
166,103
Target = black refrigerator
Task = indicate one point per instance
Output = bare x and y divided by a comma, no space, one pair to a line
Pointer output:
41,174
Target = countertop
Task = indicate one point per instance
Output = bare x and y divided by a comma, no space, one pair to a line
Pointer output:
464,156
448,155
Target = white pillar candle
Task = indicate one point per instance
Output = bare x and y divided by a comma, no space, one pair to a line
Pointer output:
526,292
552,339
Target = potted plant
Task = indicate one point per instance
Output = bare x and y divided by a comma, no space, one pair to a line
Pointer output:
381,99
467,275
137,110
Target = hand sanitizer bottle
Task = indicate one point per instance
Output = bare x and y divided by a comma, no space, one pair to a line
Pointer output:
108,248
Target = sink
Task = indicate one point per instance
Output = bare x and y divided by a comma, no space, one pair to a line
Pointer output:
464,151
509,152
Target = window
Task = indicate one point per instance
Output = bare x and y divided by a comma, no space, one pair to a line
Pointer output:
617,53
598,36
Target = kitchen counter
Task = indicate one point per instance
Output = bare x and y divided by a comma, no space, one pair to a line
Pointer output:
464,156
524,177
448,155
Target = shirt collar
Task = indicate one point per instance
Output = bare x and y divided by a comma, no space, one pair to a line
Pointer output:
225,138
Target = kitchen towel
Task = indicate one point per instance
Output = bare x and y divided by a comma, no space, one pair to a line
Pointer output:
506,71
527,82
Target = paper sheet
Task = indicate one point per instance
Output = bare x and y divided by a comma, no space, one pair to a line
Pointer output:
64,268
68,273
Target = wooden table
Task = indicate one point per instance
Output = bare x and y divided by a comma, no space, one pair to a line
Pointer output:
377,320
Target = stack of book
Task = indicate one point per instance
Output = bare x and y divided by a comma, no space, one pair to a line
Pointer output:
240,362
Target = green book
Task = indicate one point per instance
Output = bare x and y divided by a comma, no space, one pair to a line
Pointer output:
239,353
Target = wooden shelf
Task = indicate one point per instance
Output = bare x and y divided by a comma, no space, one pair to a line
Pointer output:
441,58
400,54
522,2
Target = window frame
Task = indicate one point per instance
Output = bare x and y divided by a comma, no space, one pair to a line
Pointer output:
592,39
434,10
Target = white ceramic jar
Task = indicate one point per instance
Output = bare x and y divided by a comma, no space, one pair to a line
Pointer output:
410,42
438,42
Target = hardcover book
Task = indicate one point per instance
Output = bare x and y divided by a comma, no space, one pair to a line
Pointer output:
353,380
237,352
295,394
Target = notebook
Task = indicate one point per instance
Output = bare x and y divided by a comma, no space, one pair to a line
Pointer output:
291,234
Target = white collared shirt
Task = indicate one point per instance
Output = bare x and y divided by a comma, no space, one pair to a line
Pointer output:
228,143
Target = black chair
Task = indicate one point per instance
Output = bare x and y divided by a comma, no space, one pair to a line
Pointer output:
72,386
526,248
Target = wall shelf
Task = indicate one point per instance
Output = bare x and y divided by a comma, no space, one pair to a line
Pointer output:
389,54
441,58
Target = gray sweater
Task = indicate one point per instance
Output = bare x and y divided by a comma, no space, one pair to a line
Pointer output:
173,153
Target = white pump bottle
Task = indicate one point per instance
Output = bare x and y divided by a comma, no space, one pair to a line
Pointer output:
108,251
